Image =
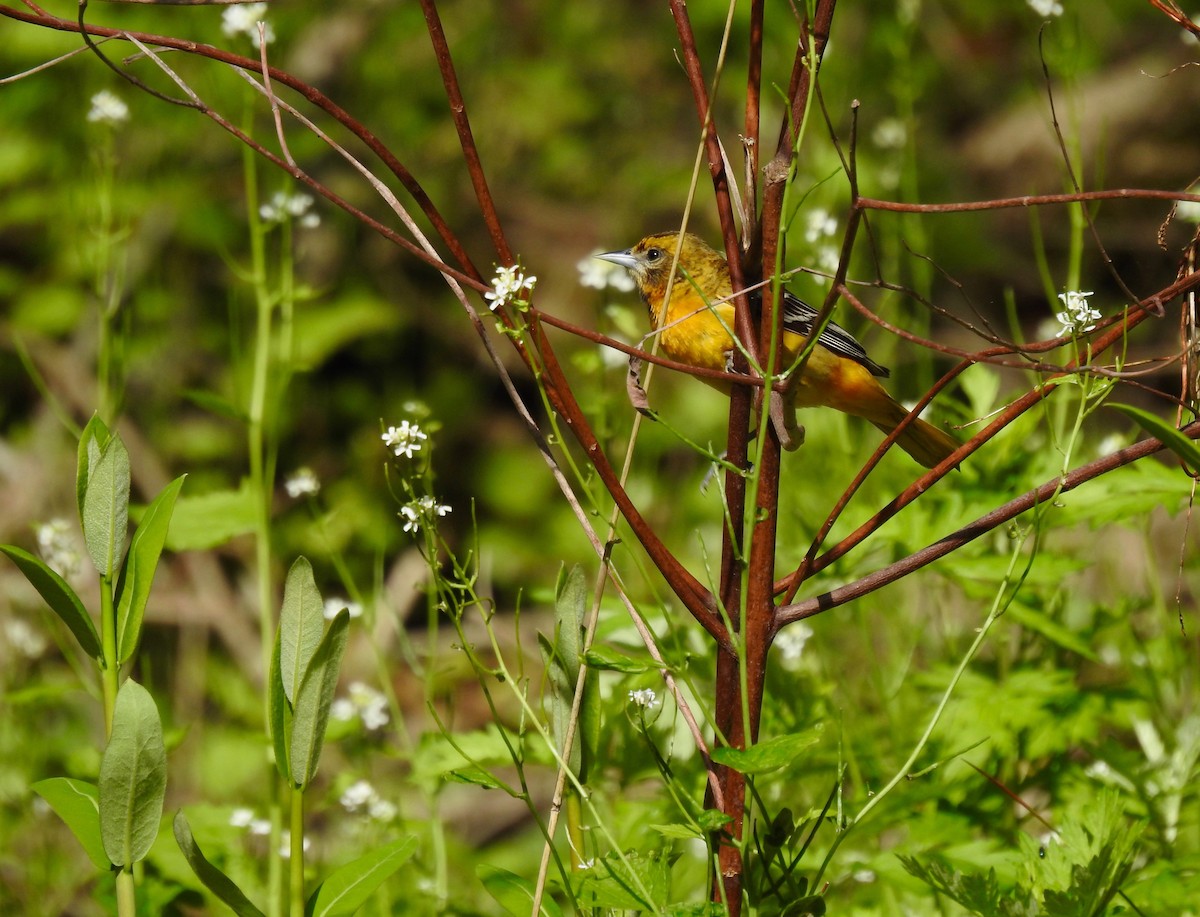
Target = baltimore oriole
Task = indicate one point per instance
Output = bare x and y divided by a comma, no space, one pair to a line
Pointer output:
695,328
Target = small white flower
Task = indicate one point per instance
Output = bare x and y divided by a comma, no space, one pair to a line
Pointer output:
357,796
243,19
365,703
510,285
283,206
864,875
260,827
59,548
600,275
818,224
1046,8
342,709
108,108
381,809
1079,317
791,642
21,636
421,511
241,818
890,134
302,483
644,698
405,439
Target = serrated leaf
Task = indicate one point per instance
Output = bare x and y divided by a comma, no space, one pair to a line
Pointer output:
106,507
766,756
213,879
91,443
137,573
203,522
512,892
77,803
301,626
133,777
310,714
59,596
347,888
1170,437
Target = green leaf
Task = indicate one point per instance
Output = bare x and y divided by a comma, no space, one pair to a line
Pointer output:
133,777
91,443
676,832
347,888
766,756
301,624
979,894
137,573
214,880
106,507
512,892
280,716
610,883
313,700
59,596
605,658
1043,624
477,776
1160,429
562,660
203,522
77,803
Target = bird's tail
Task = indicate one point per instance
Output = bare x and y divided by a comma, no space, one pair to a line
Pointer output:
923,441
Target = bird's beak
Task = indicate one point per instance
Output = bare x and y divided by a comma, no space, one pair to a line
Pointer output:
625,258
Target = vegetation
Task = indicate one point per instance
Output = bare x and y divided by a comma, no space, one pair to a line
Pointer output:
343,575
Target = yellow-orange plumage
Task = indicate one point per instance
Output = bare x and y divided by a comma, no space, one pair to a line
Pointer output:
694,328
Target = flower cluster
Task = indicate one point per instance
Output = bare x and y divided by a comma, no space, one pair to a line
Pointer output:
1046,8
302,483
644,697
108,108
405,439
243,19
283,206
819,227
1079,317
420,512
362,797
510,286
246,818
364,703
59,547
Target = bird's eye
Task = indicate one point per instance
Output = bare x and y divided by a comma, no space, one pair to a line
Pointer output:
653,254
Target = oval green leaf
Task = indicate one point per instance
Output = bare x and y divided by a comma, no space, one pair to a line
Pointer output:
133,777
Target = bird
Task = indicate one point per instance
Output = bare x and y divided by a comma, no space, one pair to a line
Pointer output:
694,327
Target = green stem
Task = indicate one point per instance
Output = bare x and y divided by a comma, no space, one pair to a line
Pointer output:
111,671
296,863
126,893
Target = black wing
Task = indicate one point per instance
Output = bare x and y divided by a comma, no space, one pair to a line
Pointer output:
798,316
